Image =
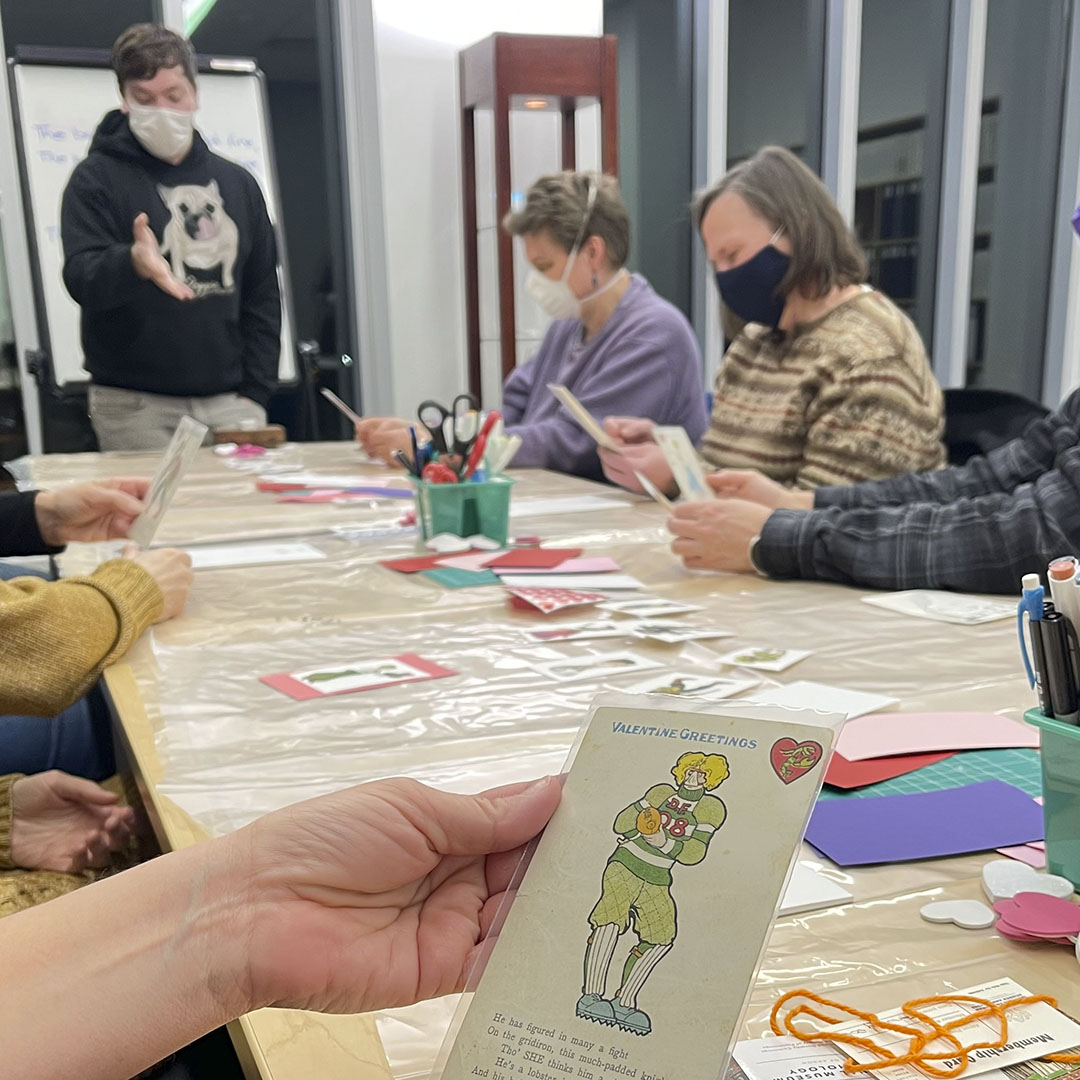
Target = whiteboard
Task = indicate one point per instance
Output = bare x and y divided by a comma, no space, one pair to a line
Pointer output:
58,109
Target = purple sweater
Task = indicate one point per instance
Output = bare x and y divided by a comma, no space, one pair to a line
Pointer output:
644,362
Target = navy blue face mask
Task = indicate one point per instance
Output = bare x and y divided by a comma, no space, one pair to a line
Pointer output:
749,289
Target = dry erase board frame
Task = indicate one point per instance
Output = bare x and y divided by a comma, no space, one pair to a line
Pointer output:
69,376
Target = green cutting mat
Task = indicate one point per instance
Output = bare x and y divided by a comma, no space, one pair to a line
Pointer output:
1020,768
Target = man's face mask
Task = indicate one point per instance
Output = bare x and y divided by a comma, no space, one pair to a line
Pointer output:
749,289
165,133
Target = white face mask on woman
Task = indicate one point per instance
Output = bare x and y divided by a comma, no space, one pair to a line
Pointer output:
165,133
556,298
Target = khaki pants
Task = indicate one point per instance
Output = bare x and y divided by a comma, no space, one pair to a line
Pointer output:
136,420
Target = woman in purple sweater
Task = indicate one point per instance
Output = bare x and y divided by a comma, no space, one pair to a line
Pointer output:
618,347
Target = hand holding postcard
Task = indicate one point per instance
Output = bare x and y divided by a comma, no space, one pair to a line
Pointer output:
636,931
178,456
584,418
683,461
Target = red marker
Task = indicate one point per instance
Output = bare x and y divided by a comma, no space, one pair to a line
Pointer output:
476,455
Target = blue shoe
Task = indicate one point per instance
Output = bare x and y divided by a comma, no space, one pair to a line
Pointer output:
594,1007
633,1020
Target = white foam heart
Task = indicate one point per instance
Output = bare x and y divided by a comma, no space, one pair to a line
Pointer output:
1004,878
967,914
446,544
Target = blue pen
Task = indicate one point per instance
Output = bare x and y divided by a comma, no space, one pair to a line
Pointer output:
415,451
1032,603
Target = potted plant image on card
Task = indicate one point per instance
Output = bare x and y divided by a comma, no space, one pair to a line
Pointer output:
669,826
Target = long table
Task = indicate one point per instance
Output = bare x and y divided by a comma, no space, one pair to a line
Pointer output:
212,748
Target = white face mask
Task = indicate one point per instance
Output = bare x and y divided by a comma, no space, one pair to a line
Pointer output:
165,133
555,297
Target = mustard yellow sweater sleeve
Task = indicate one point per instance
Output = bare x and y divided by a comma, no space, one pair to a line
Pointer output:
57,636
6,818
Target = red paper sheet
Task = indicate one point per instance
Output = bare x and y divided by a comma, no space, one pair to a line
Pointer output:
413,564
851,774
534,558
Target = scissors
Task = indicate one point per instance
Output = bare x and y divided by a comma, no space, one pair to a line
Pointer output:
459,437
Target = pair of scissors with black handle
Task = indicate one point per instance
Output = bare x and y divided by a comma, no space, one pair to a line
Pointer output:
463,430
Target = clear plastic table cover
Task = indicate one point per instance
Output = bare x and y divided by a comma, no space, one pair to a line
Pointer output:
231,748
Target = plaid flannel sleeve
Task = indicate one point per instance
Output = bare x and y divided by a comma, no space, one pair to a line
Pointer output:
978,544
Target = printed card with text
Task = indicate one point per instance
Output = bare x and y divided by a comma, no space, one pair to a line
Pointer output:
638,926
765,657
348,678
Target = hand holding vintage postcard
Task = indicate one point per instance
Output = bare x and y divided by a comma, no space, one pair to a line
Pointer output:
640,922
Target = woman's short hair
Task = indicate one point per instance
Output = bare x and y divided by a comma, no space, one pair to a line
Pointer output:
142,50
559,203
779,188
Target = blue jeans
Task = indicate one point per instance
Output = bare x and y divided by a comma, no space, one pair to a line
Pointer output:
78,741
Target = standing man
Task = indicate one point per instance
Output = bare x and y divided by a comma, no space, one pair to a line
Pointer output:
170,253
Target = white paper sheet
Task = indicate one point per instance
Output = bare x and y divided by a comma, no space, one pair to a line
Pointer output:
215,556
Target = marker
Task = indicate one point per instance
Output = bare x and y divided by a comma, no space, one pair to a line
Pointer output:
476,454
1059,677
1061,573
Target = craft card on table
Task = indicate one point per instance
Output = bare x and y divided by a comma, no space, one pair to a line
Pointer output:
764,657
548,600
648,607
641,919
710,687
683,461
944,606
212,556
598,666
672,633
345,678
613,582
181,451
599,564
585,631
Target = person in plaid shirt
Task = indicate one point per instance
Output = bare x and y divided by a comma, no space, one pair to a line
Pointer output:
976,527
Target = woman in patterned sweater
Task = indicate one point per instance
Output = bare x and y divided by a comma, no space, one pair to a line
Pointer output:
827,382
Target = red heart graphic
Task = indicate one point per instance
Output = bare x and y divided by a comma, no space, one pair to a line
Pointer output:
790,759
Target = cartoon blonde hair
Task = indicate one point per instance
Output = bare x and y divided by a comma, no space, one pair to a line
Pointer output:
714,766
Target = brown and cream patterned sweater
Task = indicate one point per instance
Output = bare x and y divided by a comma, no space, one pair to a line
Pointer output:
847,398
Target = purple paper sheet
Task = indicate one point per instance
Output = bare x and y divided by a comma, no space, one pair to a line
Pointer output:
895,828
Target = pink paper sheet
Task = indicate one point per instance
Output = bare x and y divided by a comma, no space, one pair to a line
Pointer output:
882,734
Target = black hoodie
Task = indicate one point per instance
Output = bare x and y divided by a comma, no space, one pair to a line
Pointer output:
209,216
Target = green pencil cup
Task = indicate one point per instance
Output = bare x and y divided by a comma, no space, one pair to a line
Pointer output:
466,509
1061,793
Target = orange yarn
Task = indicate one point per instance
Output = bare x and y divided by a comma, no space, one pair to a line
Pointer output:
920,1037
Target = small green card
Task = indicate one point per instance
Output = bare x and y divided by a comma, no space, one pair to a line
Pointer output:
453,578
